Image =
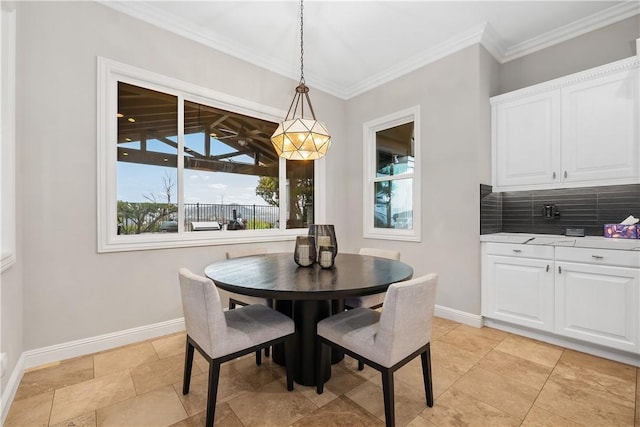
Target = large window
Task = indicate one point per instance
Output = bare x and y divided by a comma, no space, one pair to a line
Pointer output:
180,166
392,193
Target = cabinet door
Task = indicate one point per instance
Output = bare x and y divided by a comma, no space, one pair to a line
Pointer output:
526,140
519,291
600,129
598,303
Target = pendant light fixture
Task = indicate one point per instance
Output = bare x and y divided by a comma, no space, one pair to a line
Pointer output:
297,137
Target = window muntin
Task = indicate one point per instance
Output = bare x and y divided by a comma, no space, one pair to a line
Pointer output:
392,193
189,152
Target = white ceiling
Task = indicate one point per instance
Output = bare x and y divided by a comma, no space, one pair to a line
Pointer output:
353,46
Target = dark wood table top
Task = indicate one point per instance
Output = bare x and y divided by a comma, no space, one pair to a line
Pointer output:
278,276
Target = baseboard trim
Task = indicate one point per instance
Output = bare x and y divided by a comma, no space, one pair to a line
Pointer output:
54,353
474,320
9,392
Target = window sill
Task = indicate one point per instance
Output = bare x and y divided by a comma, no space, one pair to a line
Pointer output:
194,239
393,234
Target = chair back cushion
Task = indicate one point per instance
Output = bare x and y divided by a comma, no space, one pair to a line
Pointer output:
382,253
246,252
203,314
405,323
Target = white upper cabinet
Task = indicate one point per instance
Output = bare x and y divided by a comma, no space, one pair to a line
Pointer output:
580,130
600,128
527,134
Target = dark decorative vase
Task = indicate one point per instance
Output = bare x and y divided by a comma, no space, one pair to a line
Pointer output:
305,252
325,238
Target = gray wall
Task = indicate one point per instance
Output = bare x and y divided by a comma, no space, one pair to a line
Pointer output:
71,291
453,96
11,284
608,44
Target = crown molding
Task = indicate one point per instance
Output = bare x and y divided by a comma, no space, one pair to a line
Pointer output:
630,63
464,40
582,26
145,11
483,34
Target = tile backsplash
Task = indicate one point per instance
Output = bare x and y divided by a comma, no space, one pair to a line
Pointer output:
589,208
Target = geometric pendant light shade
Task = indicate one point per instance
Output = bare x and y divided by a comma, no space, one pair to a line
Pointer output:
298,138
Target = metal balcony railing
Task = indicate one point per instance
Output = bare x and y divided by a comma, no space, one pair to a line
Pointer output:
232,216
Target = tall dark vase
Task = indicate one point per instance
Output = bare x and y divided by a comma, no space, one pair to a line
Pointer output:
324,235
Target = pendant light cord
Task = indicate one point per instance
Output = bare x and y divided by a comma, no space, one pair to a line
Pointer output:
301,42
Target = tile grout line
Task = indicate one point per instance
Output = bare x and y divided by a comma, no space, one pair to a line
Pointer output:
542,388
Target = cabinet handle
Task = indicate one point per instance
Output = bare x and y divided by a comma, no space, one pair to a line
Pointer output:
559,270
565,174
597,256
547,268
517,251
554,175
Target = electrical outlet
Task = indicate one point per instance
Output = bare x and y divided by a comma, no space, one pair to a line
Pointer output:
3,364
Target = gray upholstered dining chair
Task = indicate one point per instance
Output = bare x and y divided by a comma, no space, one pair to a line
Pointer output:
385,340
375,300
221,335
238,299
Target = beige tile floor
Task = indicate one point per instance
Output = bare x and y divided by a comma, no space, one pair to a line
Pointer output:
482,377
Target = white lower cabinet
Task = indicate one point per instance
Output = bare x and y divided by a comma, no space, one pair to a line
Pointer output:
592,295
598,303
519,287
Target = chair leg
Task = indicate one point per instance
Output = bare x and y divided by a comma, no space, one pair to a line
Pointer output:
212,393
267,350
360,365
289,360
426,373
387,391
188,364
320,362
259,357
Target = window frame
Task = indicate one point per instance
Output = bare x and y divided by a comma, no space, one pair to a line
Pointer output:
370,129
109,74
8,255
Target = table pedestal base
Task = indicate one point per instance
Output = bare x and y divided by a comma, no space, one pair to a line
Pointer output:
306,314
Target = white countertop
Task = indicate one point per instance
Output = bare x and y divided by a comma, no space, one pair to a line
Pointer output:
559,240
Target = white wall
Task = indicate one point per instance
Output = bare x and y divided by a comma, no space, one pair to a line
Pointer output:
70,291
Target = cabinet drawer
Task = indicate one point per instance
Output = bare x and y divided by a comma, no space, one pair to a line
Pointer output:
520,250
599,256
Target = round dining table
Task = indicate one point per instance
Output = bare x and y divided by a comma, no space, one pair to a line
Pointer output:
307,294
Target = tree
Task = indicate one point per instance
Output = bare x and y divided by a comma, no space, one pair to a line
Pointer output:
147,217
268,189
142,217
168,184
301,195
